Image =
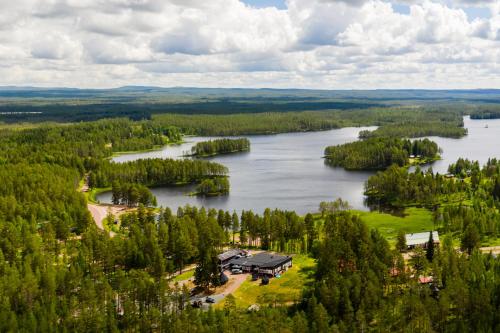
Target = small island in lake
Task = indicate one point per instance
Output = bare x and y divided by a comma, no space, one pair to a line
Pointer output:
212,187
380,153
220,146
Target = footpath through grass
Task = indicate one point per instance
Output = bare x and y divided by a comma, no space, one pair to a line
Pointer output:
280,291
413,220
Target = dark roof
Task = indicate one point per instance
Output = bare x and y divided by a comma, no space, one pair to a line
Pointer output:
228,254
262,260
276,262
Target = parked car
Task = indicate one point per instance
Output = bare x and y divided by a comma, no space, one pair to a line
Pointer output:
210,300
196,304
195,291
236,271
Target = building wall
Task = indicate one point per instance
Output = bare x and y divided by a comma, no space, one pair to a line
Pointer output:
423,245
280,268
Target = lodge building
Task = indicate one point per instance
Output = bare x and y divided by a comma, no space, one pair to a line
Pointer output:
226,257
264,263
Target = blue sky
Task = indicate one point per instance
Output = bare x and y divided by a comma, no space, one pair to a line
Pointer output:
472,12
280,4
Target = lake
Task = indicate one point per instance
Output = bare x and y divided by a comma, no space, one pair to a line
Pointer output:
480,144
287,171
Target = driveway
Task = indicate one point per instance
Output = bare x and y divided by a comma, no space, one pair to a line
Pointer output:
235,281
99,213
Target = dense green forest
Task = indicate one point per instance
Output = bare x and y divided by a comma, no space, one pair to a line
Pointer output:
394,121
80,145
213,187
154,172
42,167
18,104
244,124
464,202
399,187
58,272
98,283
418,129
380,153
220,146
131,194
485,112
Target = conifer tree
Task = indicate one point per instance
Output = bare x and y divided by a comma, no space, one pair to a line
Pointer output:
401,241
429,253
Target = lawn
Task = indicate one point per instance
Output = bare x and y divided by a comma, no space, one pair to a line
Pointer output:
284,290
413,220
184,276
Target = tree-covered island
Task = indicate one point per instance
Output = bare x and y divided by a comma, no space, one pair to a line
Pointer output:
380,153
220,146
213,187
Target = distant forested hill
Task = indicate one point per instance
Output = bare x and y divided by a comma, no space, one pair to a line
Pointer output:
27,104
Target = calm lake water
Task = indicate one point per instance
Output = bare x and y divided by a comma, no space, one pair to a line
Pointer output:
482,142
287,171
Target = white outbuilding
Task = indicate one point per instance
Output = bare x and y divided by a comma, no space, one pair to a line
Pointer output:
421,239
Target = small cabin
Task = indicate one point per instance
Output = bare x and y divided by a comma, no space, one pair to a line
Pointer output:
421,239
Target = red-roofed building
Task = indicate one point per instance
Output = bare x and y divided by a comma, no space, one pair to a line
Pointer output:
425,279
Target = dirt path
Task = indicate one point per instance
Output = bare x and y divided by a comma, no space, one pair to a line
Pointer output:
99,213
492,249
235,281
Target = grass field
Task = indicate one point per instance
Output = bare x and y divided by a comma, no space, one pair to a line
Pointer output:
413,220
184,276
284,290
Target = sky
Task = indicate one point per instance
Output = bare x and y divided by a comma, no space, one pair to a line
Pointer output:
317,44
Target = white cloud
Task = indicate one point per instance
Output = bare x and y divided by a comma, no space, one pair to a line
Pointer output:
312,43
54,46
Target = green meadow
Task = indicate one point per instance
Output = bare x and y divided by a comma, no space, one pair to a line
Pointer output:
412,220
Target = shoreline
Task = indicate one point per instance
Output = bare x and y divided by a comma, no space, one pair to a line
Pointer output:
97,210
155,148
218,153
